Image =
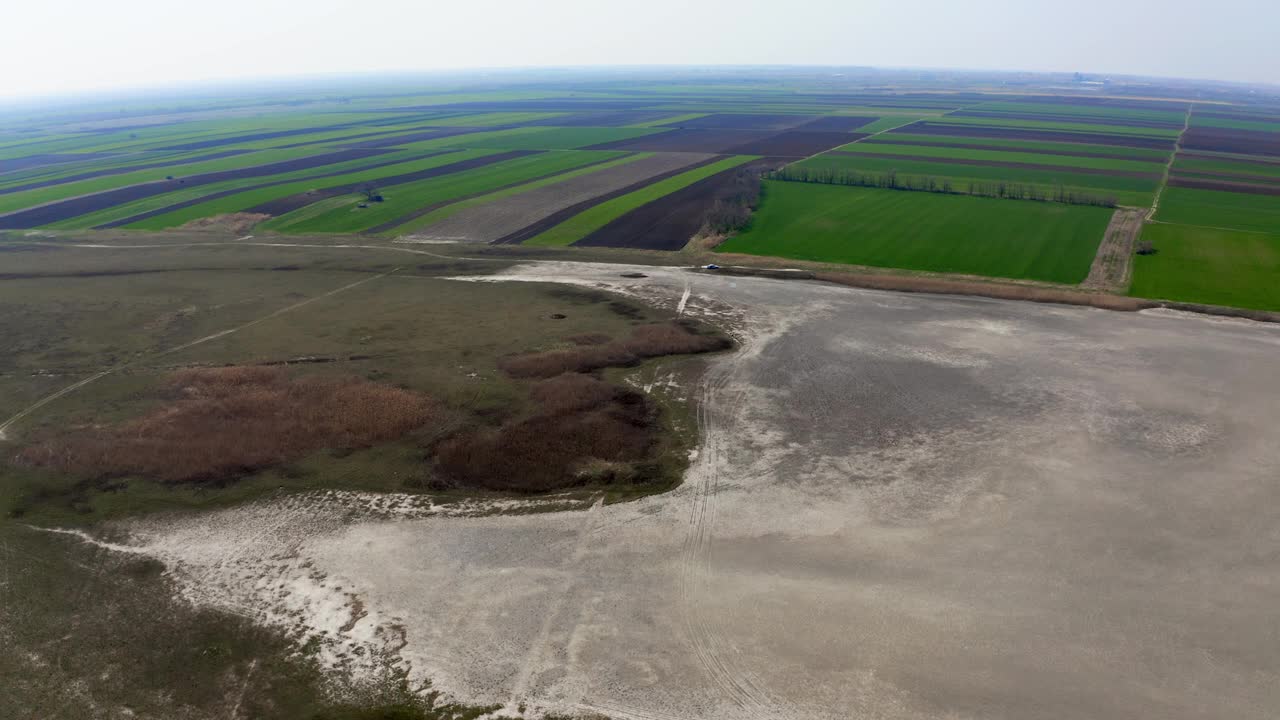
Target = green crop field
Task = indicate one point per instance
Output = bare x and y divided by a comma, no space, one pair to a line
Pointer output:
592,219
1214,208
1204,265
342,214
1137,192
899,138
1082,127
284,186
925,231
1092,112
956,153
1228,166
553,138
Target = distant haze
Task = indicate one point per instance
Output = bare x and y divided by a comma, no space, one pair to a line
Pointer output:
61,46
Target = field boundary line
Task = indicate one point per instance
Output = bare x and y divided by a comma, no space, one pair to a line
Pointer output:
4,427
1168,167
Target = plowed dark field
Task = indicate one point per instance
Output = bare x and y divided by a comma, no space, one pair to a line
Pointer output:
1224,185
690,140
34,161
795,144
927,128
1245,142
73,207
669,222
748,121
837,123
618,118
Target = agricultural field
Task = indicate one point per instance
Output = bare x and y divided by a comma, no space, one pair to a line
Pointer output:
924,231
1211,266
650,167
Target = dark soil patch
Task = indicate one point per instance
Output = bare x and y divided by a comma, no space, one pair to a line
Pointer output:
1243,142
795,144
748,121
1223,185
927,128
34,161
72,207
837,123
689,140
633,275
283,205
433,134
669,222
617,118
222,423
556,218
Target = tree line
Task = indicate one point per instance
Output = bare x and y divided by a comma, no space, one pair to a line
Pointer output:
890,180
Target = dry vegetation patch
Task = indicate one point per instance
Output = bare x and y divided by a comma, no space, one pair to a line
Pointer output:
231,222
585,431
222,423
646,341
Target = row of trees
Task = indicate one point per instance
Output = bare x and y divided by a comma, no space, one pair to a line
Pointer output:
731,211
892,181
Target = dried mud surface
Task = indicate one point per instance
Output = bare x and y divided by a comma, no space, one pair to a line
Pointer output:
904,506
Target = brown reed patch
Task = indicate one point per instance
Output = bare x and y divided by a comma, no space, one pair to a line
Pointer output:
646,341
221,423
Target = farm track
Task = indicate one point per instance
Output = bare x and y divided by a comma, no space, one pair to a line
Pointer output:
1168,166
1112,268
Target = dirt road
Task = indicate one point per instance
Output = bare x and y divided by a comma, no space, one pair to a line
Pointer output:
904,506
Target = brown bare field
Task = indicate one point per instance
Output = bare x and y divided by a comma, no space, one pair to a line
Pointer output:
1113,265
228,222
646,341
221,423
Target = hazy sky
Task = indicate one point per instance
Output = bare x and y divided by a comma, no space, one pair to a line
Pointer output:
58,46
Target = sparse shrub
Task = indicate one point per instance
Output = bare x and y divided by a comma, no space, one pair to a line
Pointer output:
646,341
1146,248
